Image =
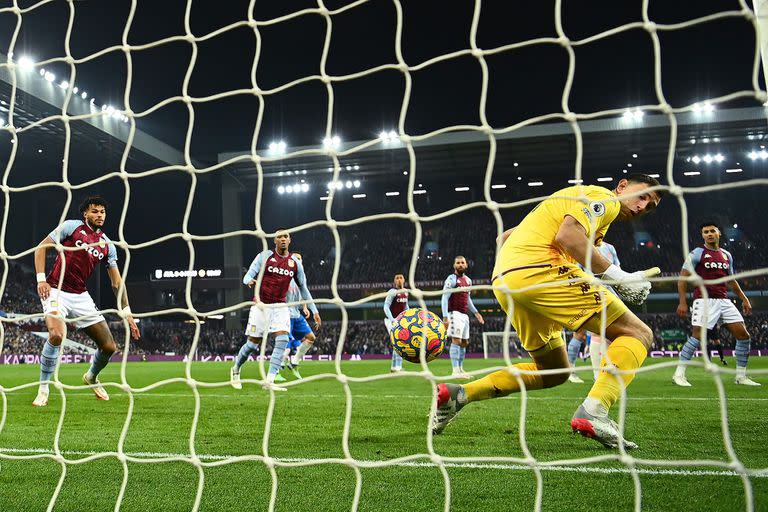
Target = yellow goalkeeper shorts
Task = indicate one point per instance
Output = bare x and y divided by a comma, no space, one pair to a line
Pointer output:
542,299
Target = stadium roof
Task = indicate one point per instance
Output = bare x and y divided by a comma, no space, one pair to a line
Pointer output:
540,150
97,143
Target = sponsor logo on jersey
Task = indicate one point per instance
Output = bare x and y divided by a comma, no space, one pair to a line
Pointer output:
290,263
716,265
280,271
707,255
90,250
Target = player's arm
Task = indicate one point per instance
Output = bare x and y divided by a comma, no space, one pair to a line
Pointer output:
388,304
503,237
473,309
60,233
689,268
253,271
734,285
745,304
449,283
682,294
116,280
43,288
301,280
572,237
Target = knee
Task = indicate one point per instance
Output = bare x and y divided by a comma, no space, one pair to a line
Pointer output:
554,379
645,335
109,347
310,338
55,337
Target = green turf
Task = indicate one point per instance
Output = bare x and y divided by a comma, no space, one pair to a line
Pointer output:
388,420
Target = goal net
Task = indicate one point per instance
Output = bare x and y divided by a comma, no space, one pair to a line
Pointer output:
499,344
338,439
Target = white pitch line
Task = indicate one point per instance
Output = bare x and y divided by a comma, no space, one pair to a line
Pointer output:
756,473
203,394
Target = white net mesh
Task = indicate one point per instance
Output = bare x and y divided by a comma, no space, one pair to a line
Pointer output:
733,466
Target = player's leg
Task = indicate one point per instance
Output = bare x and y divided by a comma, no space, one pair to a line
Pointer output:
699,321
99,332
631,340
304,337
713,337
463,350
743,346
254,331
574,346
91,322
396,363
539,336
280,325
49,357
597,346
306,343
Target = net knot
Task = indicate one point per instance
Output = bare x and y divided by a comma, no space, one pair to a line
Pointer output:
675,190
650,26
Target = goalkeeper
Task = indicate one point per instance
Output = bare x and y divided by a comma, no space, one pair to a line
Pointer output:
540,286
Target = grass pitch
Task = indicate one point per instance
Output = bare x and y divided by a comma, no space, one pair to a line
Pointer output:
388,420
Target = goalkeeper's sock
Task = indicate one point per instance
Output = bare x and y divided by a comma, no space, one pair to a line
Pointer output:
281,341
625,353
100,360
301,352
502,383
454,353
246,350
742,356
687,353
48,358
596,351
573,350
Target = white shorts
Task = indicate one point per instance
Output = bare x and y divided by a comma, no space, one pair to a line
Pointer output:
718,311
458,326
73,305
268,320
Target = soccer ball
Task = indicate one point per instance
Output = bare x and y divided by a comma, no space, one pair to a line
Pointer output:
411,328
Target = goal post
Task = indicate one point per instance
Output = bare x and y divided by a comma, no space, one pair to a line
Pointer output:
495,342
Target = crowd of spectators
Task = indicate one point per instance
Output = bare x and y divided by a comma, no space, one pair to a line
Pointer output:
361,336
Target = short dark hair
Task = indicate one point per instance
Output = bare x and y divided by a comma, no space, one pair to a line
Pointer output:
709,223
400,274
92,200
459,256
638,177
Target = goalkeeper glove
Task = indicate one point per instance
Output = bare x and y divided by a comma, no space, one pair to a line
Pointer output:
633,287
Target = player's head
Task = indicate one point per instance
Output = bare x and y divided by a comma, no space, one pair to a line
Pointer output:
634,198
297,255
282,240
94,211
399,281
710,232
460,264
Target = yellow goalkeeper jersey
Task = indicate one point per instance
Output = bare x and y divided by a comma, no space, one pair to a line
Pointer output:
533,240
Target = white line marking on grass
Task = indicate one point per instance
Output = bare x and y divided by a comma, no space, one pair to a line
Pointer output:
150,394
755,473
